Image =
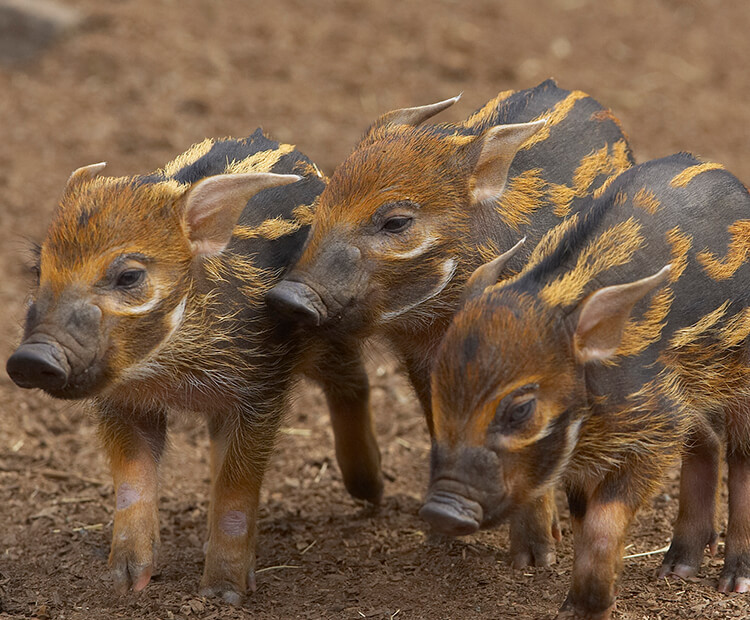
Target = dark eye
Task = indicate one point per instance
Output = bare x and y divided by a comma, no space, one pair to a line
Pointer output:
397,224
130,278
36,272
518,414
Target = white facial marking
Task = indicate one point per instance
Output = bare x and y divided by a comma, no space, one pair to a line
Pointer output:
148,306
176,316
147,367
572,433
126,496
414,252
233,523
448,268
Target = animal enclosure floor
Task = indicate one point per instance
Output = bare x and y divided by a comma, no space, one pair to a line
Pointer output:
138,83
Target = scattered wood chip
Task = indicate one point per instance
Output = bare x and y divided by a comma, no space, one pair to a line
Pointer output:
57,474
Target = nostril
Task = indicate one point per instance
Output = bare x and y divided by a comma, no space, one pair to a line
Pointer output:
37,366
304,315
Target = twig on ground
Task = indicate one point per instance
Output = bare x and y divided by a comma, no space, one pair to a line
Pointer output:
75,500
322,471
654,552
301,432
268,568
310,546
82,528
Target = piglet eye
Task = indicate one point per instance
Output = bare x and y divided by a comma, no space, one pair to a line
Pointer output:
518,414
36,272
397,224
130,278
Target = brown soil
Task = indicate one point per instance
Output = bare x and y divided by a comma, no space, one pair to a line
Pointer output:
142,80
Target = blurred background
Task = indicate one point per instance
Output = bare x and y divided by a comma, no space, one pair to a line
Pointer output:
136,82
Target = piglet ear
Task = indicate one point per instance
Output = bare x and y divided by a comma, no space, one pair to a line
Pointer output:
488,274
409,116
85,173
213,206
499,146
415,116
604,314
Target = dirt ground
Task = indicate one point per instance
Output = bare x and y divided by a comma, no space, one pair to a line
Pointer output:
139,82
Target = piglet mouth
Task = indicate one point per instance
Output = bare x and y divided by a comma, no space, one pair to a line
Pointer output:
451,514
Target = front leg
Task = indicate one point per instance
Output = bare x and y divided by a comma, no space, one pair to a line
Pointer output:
599,528
134,441
341,373
419,375
534,529
240,449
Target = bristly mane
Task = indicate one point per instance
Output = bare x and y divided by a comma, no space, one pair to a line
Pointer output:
507,111
577,236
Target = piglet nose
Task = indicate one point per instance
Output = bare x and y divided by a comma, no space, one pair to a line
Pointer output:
38,365
296,301
451,514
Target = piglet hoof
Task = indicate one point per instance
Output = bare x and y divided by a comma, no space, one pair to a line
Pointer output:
367,487
540,554
569,612
130,570
684,557
735,576
572,614
227,584
532,539
225,591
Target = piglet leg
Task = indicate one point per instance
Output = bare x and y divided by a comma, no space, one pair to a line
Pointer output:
134,441
534,529
343,378
735,577
694,528
239,456
599,537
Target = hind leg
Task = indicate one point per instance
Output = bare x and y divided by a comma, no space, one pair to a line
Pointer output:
695,527
735,577
241,445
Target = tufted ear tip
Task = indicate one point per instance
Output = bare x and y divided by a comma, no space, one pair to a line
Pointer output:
488,274
417,115
85,173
